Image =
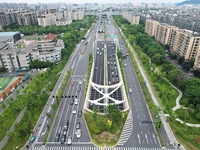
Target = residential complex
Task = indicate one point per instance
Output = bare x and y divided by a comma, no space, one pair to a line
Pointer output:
44,18
133,19
184,42
13,56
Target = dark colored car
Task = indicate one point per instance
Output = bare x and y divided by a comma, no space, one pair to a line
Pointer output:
57,138
72,101
80,113
78,125
65,128
63,139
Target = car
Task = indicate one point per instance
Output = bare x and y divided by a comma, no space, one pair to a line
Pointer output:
73,82
76,101
130,90
65,128
57,138
80,82
72,101
78,125
63,138
125,65
69,140
79,89
78,133
74,111
79,113
32,139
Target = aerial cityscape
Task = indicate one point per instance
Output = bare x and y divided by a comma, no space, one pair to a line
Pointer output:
91,75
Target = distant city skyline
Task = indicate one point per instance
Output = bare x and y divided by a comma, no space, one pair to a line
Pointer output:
91,1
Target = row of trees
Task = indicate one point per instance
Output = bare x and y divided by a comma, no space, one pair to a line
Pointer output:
155,51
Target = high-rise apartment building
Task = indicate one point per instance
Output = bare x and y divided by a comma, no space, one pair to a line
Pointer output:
163,33
133,19
26,19
47,20
183,42
151,27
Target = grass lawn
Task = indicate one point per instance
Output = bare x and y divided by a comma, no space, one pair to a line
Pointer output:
187,116
99,134
5,82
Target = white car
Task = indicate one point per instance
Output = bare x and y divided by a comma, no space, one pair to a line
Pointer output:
130,90
125,65
76,101
78,133
74,111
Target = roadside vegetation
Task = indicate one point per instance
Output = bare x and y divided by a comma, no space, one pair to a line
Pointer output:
36,94
161,73
105,129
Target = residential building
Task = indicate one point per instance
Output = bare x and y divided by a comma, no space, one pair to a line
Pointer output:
151,27
40,50
197,60
185,43
63,21
78,15
47,20
26,19
133,19
67,14
8,56
163,33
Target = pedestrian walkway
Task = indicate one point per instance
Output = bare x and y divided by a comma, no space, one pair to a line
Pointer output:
97,148
127,130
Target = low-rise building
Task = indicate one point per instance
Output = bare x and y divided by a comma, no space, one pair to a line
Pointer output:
40,50
8,56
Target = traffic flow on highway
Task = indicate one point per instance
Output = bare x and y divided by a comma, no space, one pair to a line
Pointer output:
69,128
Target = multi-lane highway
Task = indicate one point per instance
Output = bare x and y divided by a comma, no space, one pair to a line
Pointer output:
136,135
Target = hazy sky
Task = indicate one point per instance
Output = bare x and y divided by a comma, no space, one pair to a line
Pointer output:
90,1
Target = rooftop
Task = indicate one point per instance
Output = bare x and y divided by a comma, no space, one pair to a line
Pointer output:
8,33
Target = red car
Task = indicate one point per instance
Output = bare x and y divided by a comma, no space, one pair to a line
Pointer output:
73,82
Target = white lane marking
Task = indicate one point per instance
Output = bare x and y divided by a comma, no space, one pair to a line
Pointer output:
139,139
146,138
154,138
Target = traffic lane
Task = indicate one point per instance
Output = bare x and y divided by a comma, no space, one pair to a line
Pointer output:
145,132
63,113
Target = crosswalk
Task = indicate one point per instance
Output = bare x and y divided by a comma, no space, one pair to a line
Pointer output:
127,130
97,148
